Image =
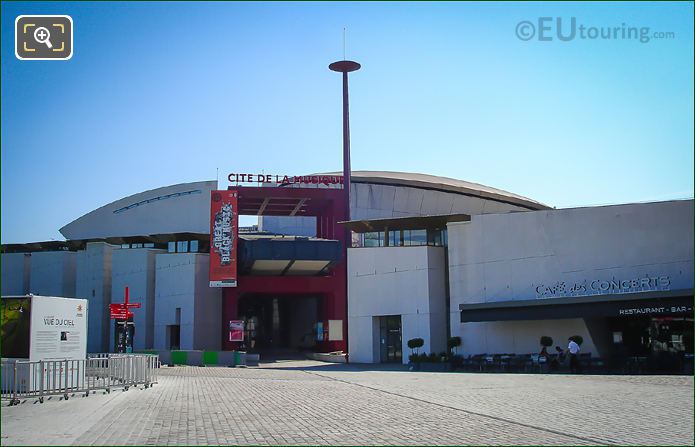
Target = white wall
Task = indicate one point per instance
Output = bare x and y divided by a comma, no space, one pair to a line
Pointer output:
93,283
208,307
135,268
15,273
503,257
520,337
406,281
374,201
52,273
181,280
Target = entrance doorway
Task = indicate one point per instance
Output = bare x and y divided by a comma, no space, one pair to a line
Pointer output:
655,344
390,339
279,323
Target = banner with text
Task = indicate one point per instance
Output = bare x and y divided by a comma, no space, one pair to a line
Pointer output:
224,218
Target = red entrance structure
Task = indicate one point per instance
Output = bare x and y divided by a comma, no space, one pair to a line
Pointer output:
329,207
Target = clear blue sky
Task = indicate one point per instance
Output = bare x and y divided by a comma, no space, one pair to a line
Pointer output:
164,93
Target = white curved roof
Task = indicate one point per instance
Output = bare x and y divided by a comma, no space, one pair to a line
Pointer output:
182,208
185,207
441,183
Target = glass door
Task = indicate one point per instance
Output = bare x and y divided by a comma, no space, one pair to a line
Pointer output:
390,339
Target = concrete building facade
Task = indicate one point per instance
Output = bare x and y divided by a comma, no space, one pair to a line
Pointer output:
135,268
565,253
431,258
406,282
93,283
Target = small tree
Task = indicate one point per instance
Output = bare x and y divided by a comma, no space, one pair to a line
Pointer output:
578,339
416,343
453,343
546,341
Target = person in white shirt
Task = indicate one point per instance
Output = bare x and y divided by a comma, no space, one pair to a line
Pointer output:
573,350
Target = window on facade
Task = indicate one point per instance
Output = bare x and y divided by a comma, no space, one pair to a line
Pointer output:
434,238
182,246
401,238
374,239
148,245
418,237
194,247
125,245
171,248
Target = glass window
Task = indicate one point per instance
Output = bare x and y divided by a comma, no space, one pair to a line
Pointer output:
125,245
194,247
434,238
148,245
136,246
418,237
182,246
395,238
371,239
171,247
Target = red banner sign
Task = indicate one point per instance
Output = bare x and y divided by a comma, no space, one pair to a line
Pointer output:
224,217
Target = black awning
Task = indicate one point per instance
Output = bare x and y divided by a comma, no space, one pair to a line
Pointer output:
678,303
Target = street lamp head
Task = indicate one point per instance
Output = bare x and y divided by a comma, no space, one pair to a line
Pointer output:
344,66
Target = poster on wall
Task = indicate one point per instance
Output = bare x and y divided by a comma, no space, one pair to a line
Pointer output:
224,218
236,330
58,328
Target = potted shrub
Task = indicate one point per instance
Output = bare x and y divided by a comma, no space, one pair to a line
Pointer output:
546,341
414,359
416,344
454,359
453,343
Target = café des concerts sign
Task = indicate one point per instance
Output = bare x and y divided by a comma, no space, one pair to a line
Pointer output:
603,286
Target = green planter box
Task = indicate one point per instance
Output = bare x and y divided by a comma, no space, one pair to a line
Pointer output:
179,357
211,358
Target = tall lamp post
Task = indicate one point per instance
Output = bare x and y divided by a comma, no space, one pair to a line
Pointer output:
346,67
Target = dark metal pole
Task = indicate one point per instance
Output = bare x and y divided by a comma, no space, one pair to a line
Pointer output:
346,67
346,145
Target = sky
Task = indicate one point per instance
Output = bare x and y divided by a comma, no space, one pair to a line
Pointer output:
164,93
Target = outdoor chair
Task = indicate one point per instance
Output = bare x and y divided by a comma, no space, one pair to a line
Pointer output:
597,365
505,361
477,361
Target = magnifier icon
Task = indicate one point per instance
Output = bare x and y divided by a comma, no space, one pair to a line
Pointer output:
42,35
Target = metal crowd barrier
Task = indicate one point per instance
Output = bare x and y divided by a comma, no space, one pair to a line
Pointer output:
22,379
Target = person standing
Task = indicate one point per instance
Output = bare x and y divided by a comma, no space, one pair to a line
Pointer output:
573,350
558,360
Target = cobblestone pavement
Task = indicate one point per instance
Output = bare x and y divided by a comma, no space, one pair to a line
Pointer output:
314,403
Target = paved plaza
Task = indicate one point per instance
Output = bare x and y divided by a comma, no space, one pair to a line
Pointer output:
306,402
